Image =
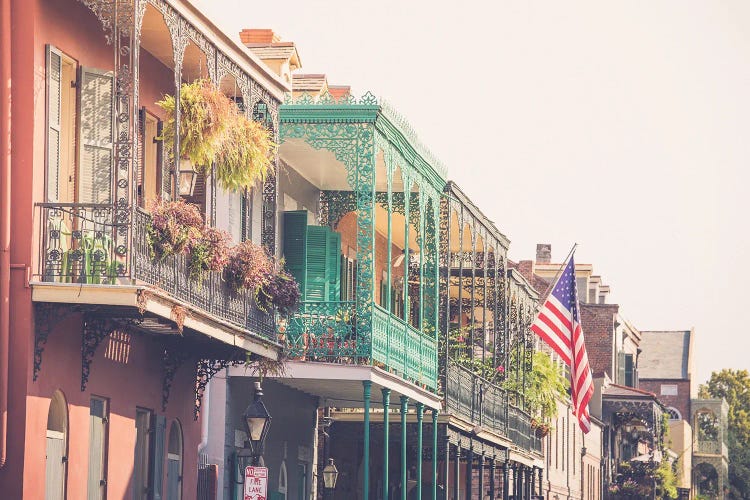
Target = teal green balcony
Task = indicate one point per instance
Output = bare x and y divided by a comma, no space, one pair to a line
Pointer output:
362,200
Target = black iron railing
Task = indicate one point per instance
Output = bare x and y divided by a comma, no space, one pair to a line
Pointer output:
77,246
487,405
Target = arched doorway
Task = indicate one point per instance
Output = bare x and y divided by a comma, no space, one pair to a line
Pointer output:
57,445
174,462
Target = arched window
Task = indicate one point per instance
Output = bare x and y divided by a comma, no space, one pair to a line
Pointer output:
57,445
674,413
174,462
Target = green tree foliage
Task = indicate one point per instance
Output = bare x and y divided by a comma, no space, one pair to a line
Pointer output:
734,386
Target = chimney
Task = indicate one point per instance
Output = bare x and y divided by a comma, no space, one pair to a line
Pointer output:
258,36
526,268
543,253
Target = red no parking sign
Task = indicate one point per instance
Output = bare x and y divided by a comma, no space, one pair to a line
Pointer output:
256,483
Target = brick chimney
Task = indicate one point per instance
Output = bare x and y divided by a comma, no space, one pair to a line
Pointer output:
543,253
526,268
258,36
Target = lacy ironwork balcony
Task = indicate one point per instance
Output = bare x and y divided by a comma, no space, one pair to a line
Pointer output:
705,447
328,332
487,405
77,246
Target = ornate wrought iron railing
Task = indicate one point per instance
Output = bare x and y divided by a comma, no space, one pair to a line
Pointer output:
77,245
327,331
485,403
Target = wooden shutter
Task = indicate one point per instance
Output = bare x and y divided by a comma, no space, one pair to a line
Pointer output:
620,368
54,119
317,288
54,484
95,136
97,440
157,476
163,163
629,370
295,246
333,265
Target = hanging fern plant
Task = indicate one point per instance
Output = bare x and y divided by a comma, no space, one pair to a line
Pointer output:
214,132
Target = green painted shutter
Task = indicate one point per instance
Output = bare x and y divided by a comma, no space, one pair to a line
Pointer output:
54,115
157,475
620,368
295,246
629,371
96,136
333,264
317,285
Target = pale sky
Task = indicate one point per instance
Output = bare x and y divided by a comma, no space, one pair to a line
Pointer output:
620,125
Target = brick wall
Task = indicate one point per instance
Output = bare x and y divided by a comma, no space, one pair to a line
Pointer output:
681,401
598,321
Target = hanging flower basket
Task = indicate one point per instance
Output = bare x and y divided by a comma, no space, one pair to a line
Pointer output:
209,252
214,132
281,291
249,267
174,227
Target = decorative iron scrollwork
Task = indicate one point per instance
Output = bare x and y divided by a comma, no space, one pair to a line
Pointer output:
95,329
43,312
205,370
172,358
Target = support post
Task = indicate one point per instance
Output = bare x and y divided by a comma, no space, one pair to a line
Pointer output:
456,472
434,452
367,389
420,419
447,465
481,475
386,440
492,478
540,481
532,489
506,477
404,409
469,471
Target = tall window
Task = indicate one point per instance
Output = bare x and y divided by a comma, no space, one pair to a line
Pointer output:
174,462
57,445
98,430
142,459
83,96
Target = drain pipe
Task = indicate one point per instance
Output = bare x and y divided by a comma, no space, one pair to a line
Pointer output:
5,124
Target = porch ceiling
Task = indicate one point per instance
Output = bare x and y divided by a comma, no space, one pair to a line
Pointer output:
341,385
318,166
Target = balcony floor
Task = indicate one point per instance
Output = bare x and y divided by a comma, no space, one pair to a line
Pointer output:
157,304
341,385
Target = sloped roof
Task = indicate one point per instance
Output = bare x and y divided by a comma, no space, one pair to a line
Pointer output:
314,82
280,50
624,391
666,355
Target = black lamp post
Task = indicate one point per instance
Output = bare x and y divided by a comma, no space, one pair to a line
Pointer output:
257,422
330,475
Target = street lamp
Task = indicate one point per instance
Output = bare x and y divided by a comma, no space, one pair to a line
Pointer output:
257,422
186,179
330,475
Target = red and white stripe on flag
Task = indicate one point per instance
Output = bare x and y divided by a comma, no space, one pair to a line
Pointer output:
558,323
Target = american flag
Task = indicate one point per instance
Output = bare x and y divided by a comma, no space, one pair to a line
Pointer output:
559,325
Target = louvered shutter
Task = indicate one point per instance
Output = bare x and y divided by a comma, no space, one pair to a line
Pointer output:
295,246
157,476
333,265
54,115
163,163
97,439
95,136
621,368
317,288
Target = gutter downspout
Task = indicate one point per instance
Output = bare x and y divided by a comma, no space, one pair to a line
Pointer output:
5,169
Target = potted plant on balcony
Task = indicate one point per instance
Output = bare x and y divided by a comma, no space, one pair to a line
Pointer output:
174,228
214,132
249,267
208,252
281,292
544,386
